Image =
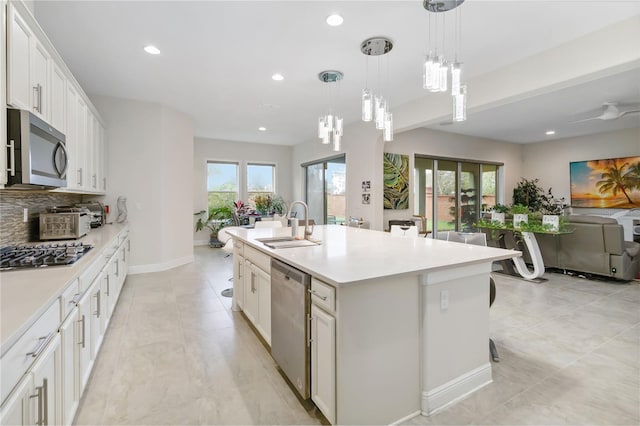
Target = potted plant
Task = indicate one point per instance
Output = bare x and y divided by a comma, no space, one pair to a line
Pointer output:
497,213
520,215
218,218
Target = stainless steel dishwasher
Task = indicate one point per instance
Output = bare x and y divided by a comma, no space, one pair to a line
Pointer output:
290,306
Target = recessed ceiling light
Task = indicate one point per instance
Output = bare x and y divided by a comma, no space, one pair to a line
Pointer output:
277,77
335,20
550,132
152,50
262,129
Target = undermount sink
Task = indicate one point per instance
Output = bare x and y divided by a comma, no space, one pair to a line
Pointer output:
286,242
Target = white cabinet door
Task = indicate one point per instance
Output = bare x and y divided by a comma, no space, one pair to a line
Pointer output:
69,373
46,382
102,159
58,93
323,362
71,125
263,281
238,280
89,151
96,317
39,77
251,301
84,339
81,138
18,61
15,410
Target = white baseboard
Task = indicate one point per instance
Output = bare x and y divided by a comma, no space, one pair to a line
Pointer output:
406,418
456,389
200,243
159,267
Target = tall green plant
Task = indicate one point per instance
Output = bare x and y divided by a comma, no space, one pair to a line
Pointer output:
528,193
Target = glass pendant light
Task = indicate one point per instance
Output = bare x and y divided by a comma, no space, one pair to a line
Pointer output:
380,111
460,105
456,74
367,105
374,106
387,132
330,126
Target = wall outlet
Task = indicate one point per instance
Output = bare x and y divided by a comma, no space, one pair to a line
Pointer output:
25,215
444,299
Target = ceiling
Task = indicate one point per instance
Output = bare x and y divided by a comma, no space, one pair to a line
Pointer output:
218,57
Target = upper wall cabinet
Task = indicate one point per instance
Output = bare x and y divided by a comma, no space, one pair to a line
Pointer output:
39,81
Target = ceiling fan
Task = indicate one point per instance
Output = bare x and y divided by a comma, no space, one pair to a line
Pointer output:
611,111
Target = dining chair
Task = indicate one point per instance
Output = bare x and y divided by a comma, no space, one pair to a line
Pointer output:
404,231
478,239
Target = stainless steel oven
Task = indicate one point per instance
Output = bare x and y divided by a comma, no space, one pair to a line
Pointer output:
37,152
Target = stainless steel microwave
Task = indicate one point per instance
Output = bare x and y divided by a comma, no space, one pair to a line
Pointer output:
37,152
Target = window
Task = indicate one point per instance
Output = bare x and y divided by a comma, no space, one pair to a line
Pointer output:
260,180
222,184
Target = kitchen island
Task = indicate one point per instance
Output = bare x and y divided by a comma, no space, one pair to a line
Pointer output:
398,326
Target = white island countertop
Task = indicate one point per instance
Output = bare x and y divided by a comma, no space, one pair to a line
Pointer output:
349,255
26,293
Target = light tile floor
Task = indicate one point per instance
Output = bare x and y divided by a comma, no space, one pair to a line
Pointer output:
175,353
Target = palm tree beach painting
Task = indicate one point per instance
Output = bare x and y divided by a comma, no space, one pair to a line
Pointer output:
612,183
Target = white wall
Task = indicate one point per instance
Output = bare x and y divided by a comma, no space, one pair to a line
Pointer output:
150,162
363,147
549,160
441,144
242,152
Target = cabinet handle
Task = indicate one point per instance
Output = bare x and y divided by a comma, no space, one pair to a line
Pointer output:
309,325
104,184
37,99
117,267
94,179
40,98
12,157
108,282
39,393
97,296
315,293
81,173
83,334
76,298
128,245
45,402
41,342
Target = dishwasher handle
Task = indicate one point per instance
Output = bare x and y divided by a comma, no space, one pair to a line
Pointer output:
290,273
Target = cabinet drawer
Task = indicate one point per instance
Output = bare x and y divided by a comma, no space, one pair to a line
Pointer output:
69,298
261,260
90,274
323,295
17,360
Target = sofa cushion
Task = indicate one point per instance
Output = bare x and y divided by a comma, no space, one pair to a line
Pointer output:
583,218
632,249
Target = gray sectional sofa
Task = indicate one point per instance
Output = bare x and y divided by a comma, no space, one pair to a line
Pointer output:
596,246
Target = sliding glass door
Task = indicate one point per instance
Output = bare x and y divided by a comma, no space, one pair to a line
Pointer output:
452,193
326,190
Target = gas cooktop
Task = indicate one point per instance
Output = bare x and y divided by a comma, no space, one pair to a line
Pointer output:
42,255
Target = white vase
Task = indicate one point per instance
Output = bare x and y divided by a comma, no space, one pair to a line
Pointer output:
553,220
497,217
519,218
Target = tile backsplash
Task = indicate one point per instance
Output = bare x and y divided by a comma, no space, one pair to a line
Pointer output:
13,229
